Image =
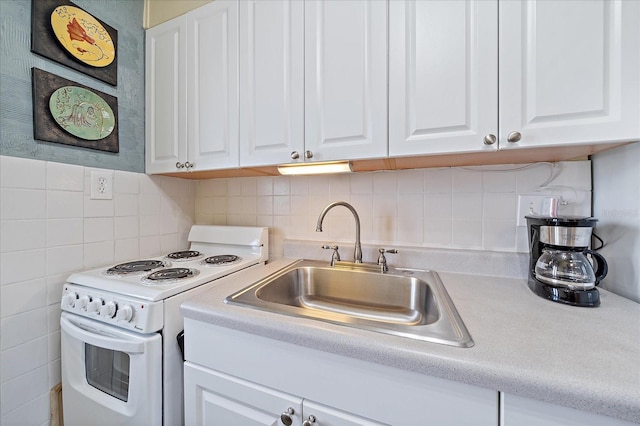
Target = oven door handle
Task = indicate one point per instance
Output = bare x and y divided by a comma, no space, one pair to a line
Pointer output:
102,340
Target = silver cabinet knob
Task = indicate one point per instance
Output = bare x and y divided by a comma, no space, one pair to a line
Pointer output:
295,155
490,139
285,417
308,154
188,165
179,165
311,420
514,136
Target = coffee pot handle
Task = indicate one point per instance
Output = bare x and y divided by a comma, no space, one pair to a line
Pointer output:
603,268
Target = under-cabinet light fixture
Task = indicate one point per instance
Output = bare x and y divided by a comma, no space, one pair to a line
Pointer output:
315,168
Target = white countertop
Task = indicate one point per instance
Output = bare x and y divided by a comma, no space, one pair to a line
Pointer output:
584,358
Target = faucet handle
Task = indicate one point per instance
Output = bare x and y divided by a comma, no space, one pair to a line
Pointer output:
382,260
335,257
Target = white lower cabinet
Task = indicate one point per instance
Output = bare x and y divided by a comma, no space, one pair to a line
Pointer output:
232,377
518,411
220,399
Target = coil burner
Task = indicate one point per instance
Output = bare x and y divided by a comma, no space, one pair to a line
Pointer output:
221,260
135,267
184,255
169,276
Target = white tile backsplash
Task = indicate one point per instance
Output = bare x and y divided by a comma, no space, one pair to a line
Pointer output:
464,207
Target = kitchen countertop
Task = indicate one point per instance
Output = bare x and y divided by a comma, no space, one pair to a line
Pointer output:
583,358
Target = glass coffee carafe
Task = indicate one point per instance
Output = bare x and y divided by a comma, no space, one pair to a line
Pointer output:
571,269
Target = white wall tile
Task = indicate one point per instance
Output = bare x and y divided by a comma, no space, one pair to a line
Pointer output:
98,229
23,296
22,235
385,182
500,206
438,180
98,208
361,183
299,185
26,387
125,227
411,182
500,180
64,259
98,254
126,249
34,412
466,180
438,232
22,204
499,234
467,233
411,217
149,204
19,266
467,205
23,358
64,204
125,183
150,246
65,177
22,173
22,328
63,232
264,186
281,185
125,204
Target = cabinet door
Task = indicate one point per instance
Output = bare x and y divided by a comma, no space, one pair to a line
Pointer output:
213,398
271,81
328,416
443,76
166,89
213,85
569,71
345,79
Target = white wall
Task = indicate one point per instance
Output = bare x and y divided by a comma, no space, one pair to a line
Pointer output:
460,208
616,201
49,227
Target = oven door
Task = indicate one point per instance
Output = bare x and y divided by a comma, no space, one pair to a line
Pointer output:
109,375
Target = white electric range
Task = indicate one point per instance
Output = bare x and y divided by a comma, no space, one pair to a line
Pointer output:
121,326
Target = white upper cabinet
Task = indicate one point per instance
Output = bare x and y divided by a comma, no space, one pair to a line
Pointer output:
443,76
560,73
192,91
166,90
212,85
313,81
569,71
271,81
345,79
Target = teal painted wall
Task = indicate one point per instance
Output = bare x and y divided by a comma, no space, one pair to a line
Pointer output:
16,61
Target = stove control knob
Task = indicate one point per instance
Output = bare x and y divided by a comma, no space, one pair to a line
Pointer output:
125,313
69,300
82,302
108,309
95,305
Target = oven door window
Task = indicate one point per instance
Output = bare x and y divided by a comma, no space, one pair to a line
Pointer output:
107,370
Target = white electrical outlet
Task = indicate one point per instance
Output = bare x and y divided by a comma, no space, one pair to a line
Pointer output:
539,205
101,185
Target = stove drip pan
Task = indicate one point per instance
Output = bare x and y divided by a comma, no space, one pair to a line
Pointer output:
221,260
169,276
184,255
135,267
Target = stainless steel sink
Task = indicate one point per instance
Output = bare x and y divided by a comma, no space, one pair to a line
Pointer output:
402,302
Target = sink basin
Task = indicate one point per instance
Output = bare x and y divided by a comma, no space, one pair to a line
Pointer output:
402,302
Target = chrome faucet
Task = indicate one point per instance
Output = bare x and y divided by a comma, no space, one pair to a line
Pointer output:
357,254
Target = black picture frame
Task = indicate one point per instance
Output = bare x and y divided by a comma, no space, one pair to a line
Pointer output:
45,127
45,43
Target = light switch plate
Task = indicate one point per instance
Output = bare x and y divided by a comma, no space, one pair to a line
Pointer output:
101,185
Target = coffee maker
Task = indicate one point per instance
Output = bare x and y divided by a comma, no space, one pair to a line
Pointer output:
558,267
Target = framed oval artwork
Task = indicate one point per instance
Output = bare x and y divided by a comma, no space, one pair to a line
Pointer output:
70,113
76,38
82,36
82,113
